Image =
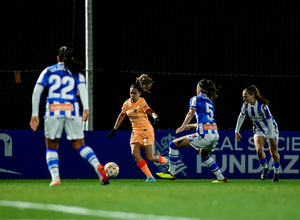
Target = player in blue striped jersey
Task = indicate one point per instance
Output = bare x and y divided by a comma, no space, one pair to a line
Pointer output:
264,127
206,136
62,112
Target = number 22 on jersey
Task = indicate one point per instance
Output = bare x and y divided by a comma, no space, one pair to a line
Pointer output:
57,82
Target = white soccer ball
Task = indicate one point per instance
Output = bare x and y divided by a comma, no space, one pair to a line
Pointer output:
112,169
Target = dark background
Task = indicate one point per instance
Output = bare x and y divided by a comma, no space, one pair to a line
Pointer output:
178,43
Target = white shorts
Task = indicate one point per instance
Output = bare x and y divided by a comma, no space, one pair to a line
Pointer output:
208,141
261,134
54,126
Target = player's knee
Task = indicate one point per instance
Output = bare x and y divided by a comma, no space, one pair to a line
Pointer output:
173,145
273,150
260,150
204,154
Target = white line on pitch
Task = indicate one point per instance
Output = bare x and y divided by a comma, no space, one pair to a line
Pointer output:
87,212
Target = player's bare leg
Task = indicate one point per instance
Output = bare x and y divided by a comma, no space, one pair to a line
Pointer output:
276,161
259,143
149,152
136,149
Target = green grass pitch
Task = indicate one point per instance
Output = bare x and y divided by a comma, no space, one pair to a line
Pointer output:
197,198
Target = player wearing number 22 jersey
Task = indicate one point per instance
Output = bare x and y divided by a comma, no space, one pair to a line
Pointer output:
62,90
62,112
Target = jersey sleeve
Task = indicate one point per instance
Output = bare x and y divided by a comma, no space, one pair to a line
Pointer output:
124,107
244,109
266,112
239,122
83,96
145,106
193,102
42,80
81,78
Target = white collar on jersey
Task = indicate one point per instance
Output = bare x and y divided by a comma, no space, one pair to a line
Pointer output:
255,104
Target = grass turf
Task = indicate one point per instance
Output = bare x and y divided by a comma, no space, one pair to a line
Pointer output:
197,198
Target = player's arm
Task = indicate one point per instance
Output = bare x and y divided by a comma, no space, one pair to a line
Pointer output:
155,117
119,120
238,126
36,97
152,113
83,97
191,126
189,116
117,124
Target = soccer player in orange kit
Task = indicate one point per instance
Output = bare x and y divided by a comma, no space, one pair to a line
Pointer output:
142,136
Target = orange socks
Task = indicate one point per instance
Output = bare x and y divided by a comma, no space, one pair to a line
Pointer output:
143,166
162,160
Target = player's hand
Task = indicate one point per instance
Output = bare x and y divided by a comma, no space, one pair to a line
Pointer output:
180,129
34,122
111,134
273,142
238,137
85,115
156,123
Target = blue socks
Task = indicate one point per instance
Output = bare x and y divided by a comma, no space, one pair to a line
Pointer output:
276,167
264,163
213,167
88,154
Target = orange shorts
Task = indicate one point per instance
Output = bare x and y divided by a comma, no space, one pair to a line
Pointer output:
142,136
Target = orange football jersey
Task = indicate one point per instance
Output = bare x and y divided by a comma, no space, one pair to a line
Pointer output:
137,113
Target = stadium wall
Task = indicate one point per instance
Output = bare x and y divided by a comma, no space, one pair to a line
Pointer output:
22,156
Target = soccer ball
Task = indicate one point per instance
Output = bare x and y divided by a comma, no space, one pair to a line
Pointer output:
112,169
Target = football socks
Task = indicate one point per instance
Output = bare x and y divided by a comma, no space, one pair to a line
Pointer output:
276,167
264,162
144,167
214,167
173,157
162,160
88,154
52,162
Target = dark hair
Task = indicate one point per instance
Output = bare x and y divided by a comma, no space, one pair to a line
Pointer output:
253,90
208,87
136,86
143,83
65,55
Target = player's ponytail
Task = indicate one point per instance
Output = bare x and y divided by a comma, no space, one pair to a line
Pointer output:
253,90
145,82
208,87
65,55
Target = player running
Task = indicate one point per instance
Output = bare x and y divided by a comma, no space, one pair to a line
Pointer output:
264,127
206,136
142,135
62,112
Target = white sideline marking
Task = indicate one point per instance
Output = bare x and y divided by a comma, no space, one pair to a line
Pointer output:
88,212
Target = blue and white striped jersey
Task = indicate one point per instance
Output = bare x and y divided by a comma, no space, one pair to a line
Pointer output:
62,90
204,114
259,113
